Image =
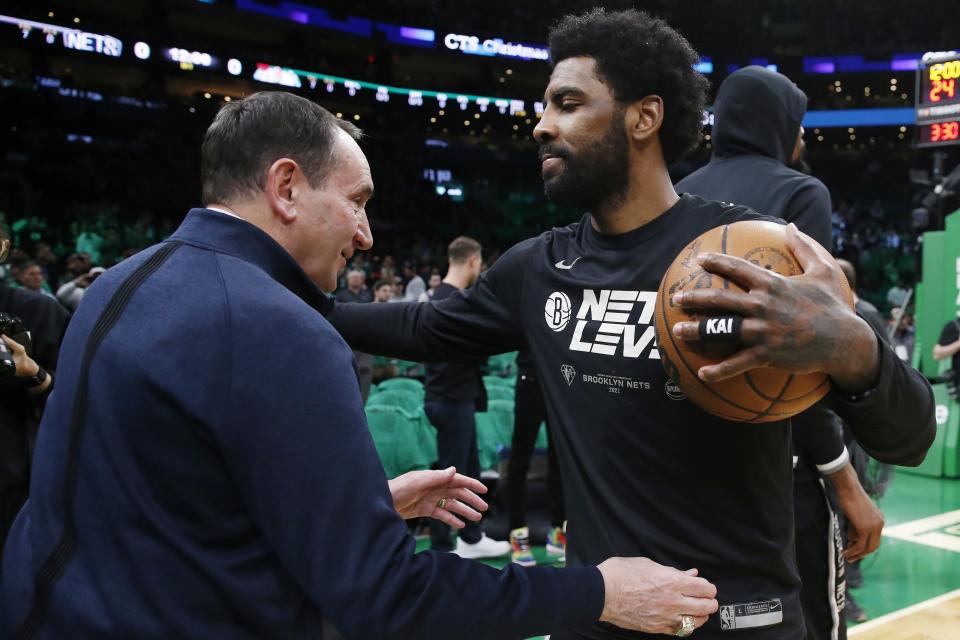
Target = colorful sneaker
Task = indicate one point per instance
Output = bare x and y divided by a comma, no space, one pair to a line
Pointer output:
557,545
483,548
520,547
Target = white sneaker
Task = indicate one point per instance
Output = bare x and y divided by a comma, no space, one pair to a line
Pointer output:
484,548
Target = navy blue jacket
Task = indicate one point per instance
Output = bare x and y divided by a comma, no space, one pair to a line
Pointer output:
226,483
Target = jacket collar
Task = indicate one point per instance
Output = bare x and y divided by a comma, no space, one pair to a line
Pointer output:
237,237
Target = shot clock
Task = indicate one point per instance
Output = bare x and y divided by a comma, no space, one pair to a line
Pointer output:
938,99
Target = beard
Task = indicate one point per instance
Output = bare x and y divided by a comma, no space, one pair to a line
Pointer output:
595,178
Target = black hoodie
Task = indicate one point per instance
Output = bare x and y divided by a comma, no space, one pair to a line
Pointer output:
757,116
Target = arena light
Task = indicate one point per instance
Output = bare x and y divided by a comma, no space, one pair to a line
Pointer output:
290,77
74,39
354,25
234,67
141,50
857,64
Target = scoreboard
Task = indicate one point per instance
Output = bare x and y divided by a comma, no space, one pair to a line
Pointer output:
938,99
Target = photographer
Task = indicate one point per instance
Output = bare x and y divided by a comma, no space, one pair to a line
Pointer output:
31,326
71,293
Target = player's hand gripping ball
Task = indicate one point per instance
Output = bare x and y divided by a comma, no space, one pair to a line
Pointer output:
758,395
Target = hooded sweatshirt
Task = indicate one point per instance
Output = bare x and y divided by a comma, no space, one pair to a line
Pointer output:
757,117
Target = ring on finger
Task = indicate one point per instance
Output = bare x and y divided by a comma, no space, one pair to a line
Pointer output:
441,503
686,626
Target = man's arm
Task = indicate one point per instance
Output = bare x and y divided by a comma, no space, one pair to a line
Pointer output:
310,477
941,352
949,342
818,438
866,520
480,321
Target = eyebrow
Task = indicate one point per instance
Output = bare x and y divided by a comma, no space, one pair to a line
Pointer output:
366,190
562,92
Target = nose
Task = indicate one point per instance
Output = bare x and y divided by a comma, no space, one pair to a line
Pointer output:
363,238
546,130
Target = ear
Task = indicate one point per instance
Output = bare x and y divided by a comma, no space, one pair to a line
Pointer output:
644,118
282,188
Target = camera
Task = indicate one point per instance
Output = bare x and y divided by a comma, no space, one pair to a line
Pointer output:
12,327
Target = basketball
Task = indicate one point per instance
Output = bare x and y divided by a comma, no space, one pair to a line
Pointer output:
759,395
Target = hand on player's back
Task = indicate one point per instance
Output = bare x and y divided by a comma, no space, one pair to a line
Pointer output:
801,324
645,596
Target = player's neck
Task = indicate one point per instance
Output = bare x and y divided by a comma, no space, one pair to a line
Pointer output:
458,277
649,195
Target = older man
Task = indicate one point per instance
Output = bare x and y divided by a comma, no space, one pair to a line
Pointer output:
223,483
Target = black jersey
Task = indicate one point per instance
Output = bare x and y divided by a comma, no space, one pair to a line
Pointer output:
645,472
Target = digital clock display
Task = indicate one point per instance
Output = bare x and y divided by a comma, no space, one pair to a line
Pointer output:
938,88
941,82
940,133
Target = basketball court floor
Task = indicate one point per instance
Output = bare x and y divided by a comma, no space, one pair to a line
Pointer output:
911,587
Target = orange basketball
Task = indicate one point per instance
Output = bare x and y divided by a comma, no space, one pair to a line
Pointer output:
760,395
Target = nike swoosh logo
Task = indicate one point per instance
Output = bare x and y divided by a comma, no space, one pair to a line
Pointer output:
561,265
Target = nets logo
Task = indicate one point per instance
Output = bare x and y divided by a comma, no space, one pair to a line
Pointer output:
569,373
608,321
557,311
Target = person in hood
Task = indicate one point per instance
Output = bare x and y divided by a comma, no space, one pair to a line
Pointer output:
758,153
758,162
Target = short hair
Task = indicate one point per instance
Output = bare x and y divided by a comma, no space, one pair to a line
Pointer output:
462,248
356,272
636,56
850,272
28,264
249,135
381,283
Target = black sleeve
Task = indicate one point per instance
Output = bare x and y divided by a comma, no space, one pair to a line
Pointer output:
949,334
480,321
894,422
809,208
818,438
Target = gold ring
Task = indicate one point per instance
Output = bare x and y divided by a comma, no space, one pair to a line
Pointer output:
441,503
686,626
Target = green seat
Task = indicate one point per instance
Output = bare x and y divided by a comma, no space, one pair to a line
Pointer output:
497,381
489,442
409,401
500,393
494,432
398,437
401,384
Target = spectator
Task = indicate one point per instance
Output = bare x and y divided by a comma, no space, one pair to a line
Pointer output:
414,285
71,293
357,291
31,278
382,291
435,281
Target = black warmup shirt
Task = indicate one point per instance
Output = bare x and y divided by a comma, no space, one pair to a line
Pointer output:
645,472
458,382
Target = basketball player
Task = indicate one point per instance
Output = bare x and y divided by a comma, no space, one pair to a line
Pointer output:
645,471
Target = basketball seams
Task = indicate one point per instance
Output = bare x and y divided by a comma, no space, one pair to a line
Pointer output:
679,353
